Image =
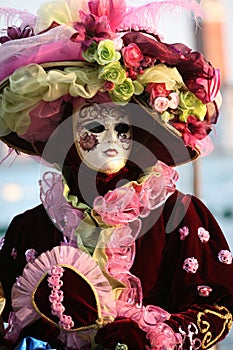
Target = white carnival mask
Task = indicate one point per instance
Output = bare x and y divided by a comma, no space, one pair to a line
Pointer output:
103,136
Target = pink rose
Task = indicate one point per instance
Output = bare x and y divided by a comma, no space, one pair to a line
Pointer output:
160,104
203,235
190,265
173,100
225,257
119,206
132,56
184,232
204,291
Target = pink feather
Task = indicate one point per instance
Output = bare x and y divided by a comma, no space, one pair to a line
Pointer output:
148,16
16,17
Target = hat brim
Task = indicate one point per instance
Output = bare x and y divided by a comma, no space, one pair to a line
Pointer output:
164,141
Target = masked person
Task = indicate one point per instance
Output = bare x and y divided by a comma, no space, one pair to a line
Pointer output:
115,256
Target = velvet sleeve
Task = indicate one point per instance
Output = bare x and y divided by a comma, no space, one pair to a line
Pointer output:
197,273
31,229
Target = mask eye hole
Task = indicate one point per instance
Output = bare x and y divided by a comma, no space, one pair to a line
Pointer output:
94,127
122,128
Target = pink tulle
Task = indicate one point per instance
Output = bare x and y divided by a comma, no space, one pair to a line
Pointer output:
12,16
125,204
205,146
63,214
52,46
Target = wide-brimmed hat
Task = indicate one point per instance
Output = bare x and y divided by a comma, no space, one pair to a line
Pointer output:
69,55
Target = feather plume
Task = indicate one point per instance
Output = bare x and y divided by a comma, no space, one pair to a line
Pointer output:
10,16
147,16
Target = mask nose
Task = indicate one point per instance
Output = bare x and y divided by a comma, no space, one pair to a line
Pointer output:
111,135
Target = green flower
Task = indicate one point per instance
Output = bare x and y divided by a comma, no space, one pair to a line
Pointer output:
200,110
106,52
166,116
89,54
123,92
191,105
113,72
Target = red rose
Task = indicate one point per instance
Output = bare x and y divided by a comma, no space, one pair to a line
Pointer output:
157,90
132,56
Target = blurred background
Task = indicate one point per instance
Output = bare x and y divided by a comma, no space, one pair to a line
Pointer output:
210,178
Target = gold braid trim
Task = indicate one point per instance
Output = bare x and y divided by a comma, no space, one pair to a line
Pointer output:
204,326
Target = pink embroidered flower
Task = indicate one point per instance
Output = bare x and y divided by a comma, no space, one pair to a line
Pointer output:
225,257
66,322
173,100
31,255
56,271
204,291
57,309
160,104
119,206
184,232
203,235
56,296
132,56
54,281
190,265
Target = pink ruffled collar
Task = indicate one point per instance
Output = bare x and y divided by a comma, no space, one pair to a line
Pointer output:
123,206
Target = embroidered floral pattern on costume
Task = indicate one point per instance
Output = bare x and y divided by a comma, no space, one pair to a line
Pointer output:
189,335
204,291
31,255
205,327
56,297
225,257
190,265
203,234
184,232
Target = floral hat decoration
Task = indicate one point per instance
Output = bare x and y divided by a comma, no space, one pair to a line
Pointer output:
74,51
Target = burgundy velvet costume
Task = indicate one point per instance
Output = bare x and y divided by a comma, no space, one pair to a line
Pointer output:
160,254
